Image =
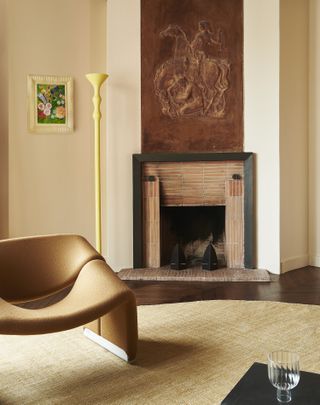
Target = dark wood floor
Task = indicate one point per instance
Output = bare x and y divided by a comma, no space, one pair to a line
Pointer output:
300,286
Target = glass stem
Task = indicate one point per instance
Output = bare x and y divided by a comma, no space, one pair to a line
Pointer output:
283,396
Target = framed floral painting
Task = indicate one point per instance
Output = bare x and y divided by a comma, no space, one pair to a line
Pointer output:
50,102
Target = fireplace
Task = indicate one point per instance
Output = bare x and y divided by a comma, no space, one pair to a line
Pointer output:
191,201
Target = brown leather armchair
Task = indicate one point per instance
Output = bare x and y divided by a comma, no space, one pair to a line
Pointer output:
36,267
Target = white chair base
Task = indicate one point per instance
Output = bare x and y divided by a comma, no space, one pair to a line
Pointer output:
116,350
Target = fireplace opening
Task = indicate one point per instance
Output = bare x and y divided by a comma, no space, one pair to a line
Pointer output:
193,228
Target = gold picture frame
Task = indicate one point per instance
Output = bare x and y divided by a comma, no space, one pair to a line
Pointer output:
50,104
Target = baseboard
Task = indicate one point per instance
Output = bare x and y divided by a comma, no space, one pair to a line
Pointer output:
314,260
296,262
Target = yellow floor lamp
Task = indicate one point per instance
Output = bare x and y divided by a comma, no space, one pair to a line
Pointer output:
97,79
117,330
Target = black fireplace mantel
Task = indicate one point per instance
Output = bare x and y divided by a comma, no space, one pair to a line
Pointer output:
249,215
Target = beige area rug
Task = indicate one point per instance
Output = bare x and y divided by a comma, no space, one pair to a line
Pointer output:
194,274
189,354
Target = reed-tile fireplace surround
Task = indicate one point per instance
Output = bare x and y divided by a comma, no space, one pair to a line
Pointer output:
193,199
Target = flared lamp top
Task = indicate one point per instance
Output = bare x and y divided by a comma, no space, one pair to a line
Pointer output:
96,79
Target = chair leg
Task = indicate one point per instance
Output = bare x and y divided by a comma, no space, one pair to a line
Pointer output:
94,326
118,330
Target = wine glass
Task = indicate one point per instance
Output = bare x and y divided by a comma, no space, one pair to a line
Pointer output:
283,373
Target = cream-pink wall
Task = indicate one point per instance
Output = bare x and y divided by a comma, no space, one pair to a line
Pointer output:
314,133
123,125
4,185
51,175
261,122
294,65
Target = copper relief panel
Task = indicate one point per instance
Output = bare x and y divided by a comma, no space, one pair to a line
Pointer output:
192,75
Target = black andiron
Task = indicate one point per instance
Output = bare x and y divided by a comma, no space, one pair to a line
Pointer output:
178,260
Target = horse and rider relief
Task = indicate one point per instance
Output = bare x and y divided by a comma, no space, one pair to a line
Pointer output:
191,76
193,82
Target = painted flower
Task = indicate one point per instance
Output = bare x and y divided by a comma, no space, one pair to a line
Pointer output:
42,98
47,112
62,102
49,105
41,106
58,102
53,117
60,112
